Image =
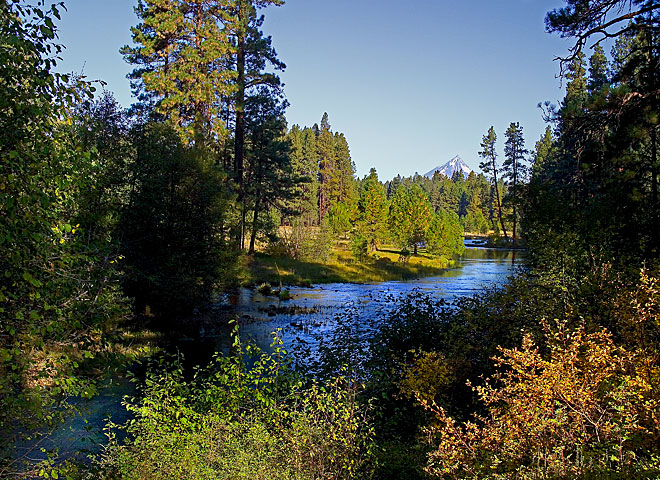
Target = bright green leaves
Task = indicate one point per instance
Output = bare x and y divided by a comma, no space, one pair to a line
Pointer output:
410,215
245,416
372,211
53,291
444,236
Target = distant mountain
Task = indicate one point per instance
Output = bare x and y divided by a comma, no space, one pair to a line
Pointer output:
448,169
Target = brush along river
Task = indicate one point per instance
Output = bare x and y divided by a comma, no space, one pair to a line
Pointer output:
311,316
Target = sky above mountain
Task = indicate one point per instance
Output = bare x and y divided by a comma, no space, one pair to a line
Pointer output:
410,87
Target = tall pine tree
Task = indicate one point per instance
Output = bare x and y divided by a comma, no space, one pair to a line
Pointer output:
490,169
514,169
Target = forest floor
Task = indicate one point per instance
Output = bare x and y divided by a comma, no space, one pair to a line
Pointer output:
383,265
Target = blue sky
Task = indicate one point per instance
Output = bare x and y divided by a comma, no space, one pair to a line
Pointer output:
410,84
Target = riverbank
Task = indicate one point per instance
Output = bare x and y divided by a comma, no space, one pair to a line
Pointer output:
491,240
382,266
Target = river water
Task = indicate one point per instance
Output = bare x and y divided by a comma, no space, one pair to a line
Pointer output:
310,315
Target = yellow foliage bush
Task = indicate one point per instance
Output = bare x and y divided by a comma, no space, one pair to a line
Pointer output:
576,406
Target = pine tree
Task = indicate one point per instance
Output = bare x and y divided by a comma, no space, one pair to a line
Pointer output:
410,216
598,70
327,164
444,236
344,171
513,168
372,210
304,165
576,97
251,55
270,176
490,169
180,54
543,150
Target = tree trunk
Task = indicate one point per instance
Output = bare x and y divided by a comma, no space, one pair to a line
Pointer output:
499,203
515,196
239,127
253,233
515,221
654,168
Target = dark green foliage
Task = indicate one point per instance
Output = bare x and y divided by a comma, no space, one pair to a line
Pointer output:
490,169
271,182
598,184
584,19
598,70
336,169
173,233
514,171
544,150
304,164
58,294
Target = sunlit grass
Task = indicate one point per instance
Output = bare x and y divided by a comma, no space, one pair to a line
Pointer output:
383,265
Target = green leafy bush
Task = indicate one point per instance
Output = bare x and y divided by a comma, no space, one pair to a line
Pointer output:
248,415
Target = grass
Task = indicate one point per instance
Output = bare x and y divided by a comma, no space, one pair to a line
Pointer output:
383,265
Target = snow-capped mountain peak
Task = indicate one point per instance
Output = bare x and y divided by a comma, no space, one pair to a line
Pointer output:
448,169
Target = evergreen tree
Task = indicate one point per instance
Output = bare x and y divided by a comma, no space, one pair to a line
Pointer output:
490,169
444,236
372,210
173,232
576,88
344,171
180,56
270,176
304,164
602,175
393,186
252,53
543,150
326,159
514,169
598,70
409,216
339,218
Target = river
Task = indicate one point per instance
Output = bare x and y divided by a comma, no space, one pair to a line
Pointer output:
312,314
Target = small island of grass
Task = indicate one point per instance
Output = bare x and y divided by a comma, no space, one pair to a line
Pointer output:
383,265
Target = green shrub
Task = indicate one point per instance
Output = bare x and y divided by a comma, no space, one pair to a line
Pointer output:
359,247
233,421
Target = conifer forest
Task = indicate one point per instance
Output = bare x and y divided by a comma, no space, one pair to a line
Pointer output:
192,287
